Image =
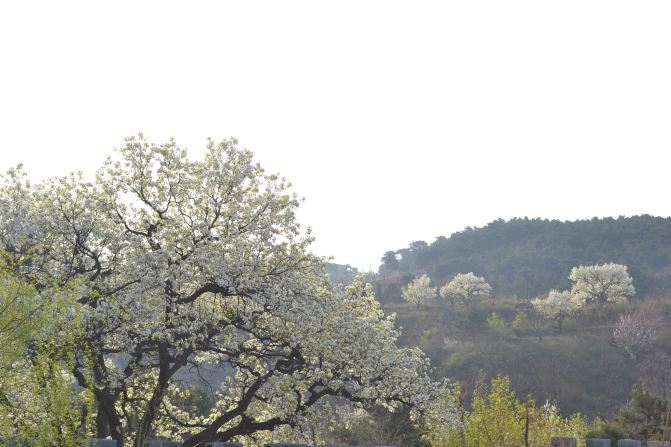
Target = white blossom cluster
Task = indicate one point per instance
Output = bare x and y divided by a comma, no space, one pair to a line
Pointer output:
592,285
557,306
634,334
419,290
465,287
601,284
183,265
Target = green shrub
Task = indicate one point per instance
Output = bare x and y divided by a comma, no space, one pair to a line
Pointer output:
496,323
521,323
498,418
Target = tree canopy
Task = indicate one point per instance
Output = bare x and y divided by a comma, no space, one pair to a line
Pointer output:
178,267
38,404
556,306
601,284
419,291
465,287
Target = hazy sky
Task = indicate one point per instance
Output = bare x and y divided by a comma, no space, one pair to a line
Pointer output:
397,121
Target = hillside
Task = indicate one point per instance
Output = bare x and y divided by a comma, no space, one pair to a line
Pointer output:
526,257
579,367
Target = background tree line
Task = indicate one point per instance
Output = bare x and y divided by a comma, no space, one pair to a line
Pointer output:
526,257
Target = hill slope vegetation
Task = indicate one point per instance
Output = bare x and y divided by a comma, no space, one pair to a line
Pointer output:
527,257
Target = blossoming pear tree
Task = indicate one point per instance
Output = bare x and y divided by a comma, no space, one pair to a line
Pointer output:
601,284
183,267
465,287
637,332
556,306
634,335
419,291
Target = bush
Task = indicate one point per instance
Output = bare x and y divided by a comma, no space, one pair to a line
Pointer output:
521,323
642,417
498,418
496,323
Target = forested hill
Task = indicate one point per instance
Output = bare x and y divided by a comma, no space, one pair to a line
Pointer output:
527,257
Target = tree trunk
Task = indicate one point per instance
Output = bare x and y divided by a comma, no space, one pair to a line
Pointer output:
149,415
102,428
145,425
108,418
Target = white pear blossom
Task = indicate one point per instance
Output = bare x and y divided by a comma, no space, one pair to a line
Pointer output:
601,284
633,335
419,290
184,267
637,332
466,287
556,306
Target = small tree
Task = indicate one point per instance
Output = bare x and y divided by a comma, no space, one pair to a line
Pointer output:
498,418
419,291
38,403
637,332
601,284
465,288
557,306
521,323
633,335
497,324
642,417
389,261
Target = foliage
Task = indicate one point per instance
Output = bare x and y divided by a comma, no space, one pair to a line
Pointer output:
419,291
642,417
38,403
601,284
465,288
546,422
178,267
498,418
497,324
18,315
389,261
521,323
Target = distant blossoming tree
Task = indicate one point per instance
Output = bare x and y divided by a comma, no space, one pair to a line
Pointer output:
557,306
181,266
601,284
466,287
633,335
419,291
637,332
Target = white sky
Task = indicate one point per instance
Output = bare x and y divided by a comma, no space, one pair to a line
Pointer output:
396,121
